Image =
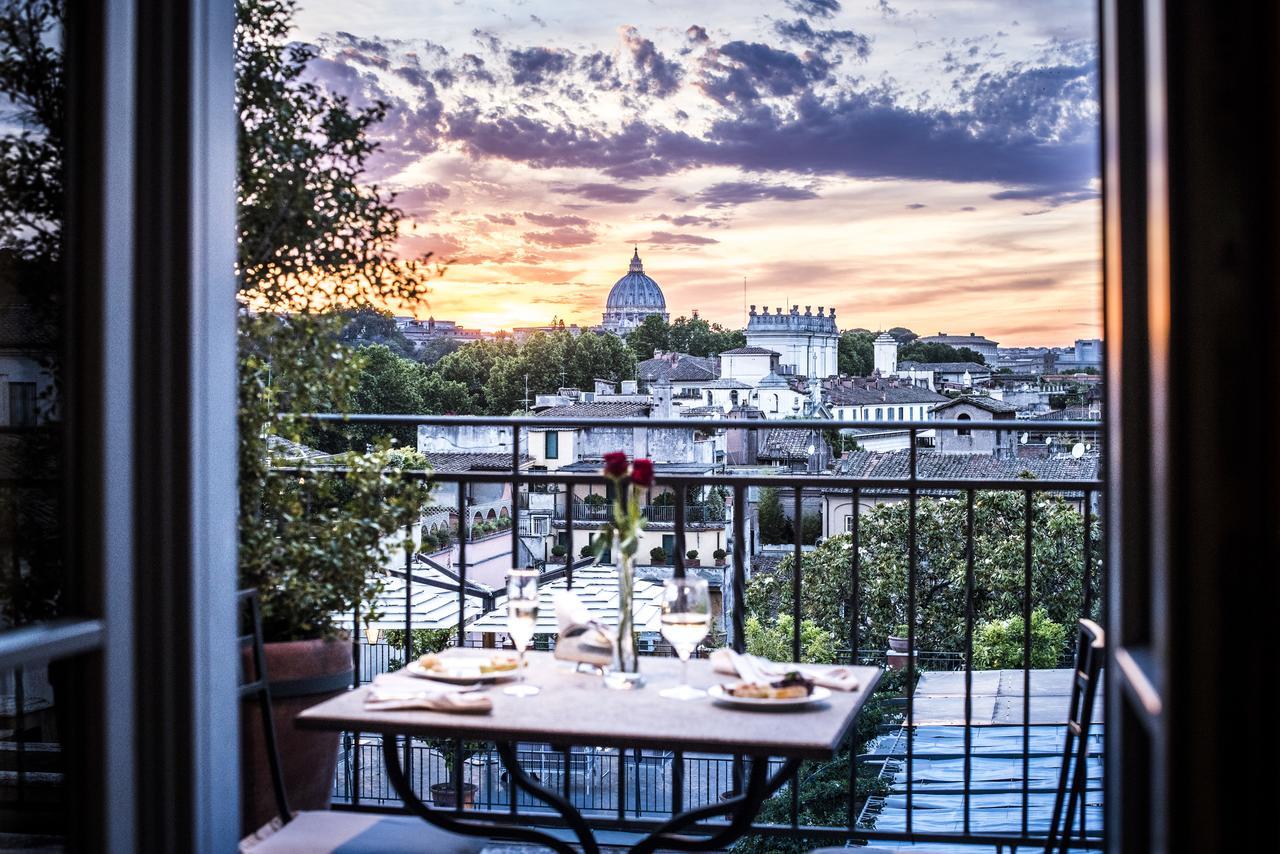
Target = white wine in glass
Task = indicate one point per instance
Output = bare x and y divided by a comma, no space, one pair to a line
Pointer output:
686,619
522,618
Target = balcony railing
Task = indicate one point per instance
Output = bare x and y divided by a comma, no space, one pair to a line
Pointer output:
893,762
694,514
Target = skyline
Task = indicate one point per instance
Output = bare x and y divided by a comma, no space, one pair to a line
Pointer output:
926,165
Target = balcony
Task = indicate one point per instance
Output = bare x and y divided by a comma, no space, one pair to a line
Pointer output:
950,751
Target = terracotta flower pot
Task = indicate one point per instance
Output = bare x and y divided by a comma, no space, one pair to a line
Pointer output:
445,795
897,644
302,673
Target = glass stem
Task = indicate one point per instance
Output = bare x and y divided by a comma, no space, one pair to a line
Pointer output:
684,670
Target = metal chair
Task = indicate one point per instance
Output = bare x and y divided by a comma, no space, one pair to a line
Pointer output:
315,832
1090,653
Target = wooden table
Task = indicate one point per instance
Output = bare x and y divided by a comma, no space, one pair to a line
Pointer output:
577,709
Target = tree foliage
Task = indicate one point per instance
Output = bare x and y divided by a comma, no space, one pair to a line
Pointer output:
772,639
997,644
772,521
855,356
314,239
367,325
1056,578
922,351
691,335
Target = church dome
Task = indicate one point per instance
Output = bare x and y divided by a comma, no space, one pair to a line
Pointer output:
635,291
633,298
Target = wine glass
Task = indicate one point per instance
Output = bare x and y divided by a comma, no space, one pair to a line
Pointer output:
522,617
686,618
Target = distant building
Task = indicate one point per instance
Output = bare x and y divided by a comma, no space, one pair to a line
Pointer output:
985,347
1087,353
419,332
879,399
806,344
970,408
837,503
940,375
633,298
521,334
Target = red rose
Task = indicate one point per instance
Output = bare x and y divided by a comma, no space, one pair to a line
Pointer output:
615,465
642,472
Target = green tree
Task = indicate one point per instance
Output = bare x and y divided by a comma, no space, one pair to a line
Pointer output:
772,639
389,384
697,337
902,334
652,334
997,644
774,525
315,238
921,351
1056,578
855,354
368,325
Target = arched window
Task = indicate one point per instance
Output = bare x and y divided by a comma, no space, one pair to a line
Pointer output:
879,413
963,416
775,403
900,416
889,413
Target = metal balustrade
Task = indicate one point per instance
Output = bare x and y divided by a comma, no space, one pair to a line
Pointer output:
640,803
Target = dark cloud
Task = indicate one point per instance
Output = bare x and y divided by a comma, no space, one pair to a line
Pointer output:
667,238
538,21
611,193
847,41
741,192
501,219
743,72
696,33
915,206
417,198
814,8
534,65
600,70
887,11
685,220
561,237
968,208
659,75
549,220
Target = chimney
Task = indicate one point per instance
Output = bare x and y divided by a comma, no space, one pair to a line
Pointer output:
630,387
662,400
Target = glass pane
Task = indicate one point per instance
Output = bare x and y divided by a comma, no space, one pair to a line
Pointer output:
33,700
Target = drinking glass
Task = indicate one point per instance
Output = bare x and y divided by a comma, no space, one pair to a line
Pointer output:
522,617
686,618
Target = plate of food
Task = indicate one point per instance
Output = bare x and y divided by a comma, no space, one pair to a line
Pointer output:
789,691
465,669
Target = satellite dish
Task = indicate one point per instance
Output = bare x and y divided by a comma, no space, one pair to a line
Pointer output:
1025,438
1077,450
1048,440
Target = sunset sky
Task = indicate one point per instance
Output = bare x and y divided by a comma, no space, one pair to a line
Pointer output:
929,165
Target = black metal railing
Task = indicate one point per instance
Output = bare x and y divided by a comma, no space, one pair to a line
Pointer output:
694,514
898,721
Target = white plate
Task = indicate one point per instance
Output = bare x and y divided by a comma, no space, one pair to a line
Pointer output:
459,673
720,695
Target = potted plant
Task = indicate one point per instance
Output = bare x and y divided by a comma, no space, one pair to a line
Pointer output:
898,639
691,557
585,551
558,553
719,555
658,556
445,795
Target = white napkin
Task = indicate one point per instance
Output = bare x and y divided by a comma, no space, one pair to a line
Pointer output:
753,668
387,696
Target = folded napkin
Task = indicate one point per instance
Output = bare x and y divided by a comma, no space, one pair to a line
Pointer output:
388,696
753,668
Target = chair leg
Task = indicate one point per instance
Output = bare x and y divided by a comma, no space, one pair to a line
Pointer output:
1079,783
1062,791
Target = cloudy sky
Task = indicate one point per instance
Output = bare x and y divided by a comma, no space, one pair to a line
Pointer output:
930,165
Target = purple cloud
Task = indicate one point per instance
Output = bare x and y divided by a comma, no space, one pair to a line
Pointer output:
417,198
744,72
667,238
742,192
800,31
500,219
549,220
561,237
610,193
659,75
534,65
815,8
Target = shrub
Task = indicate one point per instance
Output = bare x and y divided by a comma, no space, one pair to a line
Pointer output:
658,555
586,550
692,554
997,644
557,550
595,500
719,554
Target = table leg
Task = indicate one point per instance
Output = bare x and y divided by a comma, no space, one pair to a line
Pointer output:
571,815
445,820
743,808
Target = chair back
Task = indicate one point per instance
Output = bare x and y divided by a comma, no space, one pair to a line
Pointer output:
1090,653
255,685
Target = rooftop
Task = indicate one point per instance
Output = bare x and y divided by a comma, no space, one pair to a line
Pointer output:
596,410
677,367
946,367
990,404
897,464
